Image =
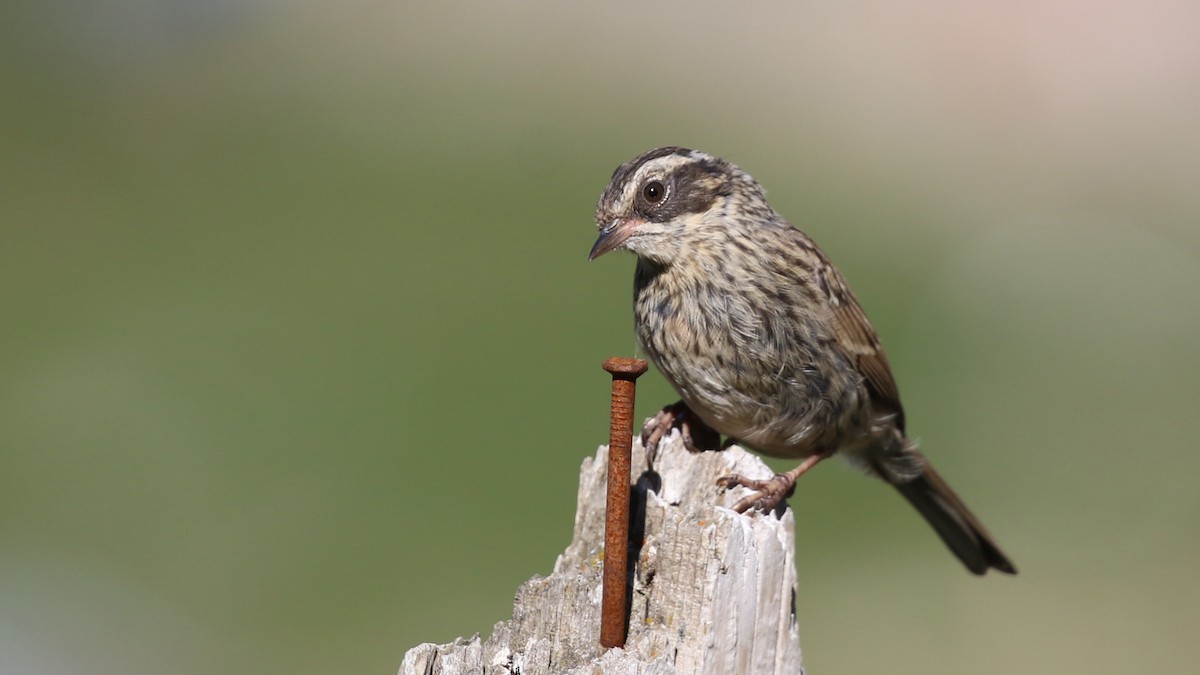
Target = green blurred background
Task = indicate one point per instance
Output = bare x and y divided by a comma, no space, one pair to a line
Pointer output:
301,351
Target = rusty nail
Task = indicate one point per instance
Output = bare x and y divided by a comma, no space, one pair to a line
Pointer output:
614,608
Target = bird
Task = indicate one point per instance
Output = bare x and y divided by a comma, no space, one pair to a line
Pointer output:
763,340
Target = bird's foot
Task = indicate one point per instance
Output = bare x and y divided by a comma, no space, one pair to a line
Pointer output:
769,494
696,435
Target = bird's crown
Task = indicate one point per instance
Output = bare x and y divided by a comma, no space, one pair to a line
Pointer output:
665,183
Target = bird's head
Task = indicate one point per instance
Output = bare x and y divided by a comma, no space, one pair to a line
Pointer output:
660,203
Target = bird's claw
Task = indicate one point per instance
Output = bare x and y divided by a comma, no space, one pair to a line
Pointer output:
695,434
767,496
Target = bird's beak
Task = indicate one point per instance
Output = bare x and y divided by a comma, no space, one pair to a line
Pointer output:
613,235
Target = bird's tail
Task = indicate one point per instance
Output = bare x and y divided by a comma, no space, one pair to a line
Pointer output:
954,522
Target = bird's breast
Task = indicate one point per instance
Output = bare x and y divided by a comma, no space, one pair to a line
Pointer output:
752,365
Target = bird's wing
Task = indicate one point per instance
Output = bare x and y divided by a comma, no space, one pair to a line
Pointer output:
857,341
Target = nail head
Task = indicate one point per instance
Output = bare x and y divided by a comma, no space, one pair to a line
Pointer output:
623,365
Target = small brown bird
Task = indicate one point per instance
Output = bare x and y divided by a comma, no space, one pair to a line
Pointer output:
762,338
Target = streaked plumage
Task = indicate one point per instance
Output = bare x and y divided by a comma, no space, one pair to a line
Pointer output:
762,337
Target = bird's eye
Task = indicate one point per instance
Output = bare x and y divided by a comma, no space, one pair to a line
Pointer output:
654,192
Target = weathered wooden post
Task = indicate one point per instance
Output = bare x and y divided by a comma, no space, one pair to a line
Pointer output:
713,593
